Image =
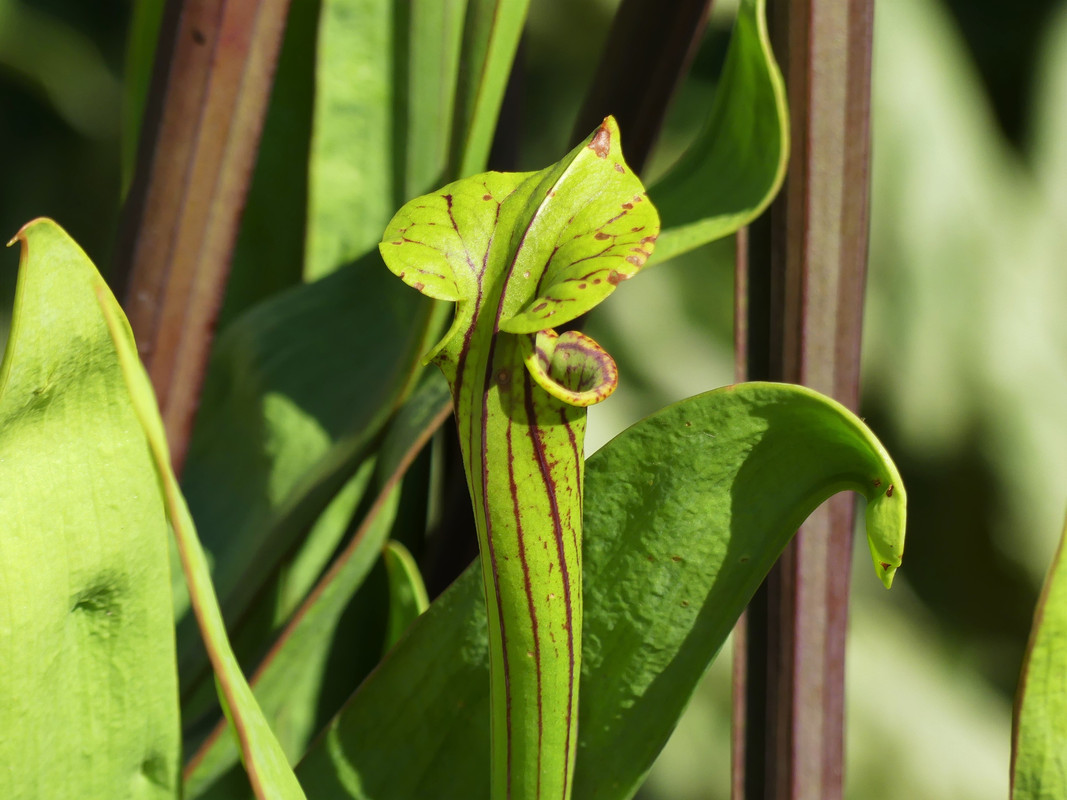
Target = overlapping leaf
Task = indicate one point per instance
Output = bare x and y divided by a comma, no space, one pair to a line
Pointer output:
685,513
88,686
268,769
292,683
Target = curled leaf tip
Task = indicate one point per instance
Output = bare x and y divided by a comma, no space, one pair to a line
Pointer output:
885,529
571,367
21,235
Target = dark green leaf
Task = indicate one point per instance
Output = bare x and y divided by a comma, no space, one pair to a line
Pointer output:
292,684
407,592
294,399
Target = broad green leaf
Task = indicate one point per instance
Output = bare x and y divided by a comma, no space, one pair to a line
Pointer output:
268,769
685,513
1039,732
294,400
407,592
520,253
737,164
88,686
291,683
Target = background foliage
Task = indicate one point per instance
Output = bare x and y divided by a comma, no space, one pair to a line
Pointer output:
965,348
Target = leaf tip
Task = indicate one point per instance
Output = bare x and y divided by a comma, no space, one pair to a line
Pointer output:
600,142
24,230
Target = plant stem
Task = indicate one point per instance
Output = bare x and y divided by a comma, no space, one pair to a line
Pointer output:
805,279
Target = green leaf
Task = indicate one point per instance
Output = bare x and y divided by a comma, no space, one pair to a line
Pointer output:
146,17
1039,732
88,686
737,164
563,237
490,39
431,55
294,400
407,592
685,513
350,180
292,682
521,252
384,136
268,769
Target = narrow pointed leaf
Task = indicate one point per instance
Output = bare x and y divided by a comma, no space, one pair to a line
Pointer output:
407,592
736,166
685,513
88,686
268,769
490,39
1039,732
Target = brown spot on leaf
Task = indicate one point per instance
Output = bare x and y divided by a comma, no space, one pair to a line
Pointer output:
649,240
601,142
400,242
619,167
889,491
419,286
627,206
638,198
883,565
685,604
635,230
635,260
676,559
877,481
615,278
487,197
540,306
581,285
601,236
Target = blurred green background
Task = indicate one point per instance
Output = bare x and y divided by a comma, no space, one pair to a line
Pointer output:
965,345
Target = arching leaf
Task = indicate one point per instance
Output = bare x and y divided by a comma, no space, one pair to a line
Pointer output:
737,164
